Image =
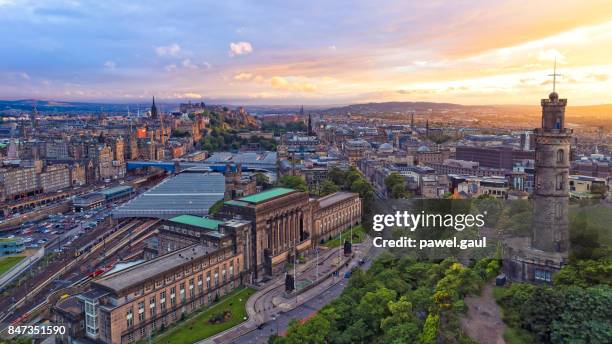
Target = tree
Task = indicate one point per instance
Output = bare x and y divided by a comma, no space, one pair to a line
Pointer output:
216,207
293,182
396,185
336,175
328,187
430,329
261,179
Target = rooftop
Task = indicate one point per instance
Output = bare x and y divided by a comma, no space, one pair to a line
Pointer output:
237,203
334,198
139,273
116,189
266,195
197,221
185,193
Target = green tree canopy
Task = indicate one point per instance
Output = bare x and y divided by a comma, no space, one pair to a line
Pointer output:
293,182
328,187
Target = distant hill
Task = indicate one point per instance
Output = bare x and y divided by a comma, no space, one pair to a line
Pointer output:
47,106
366,108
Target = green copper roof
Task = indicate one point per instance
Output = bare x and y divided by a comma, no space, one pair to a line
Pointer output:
197,221
237,203
266,195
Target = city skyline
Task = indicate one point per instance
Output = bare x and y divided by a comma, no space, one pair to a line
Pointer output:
239,53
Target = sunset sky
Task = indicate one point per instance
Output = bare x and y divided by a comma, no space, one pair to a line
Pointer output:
314,52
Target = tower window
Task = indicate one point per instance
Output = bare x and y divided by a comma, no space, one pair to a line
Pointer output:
560,155
559,182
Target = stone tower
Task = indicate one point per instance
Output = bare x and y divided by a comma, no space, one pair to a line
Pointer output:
551,193
535,259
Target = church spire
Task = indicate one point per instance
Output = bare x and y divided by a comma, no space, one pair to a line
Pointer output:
153,109
310,131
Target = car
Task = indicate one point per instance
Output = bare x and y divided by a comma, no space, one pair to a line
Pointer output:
347,274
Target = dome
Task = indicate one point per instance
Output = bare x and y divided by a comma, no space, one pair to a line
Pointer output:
385,146
423,149
553,96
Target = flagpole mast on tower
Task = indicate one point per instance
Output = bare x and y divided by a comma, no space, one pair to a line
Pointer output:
554,75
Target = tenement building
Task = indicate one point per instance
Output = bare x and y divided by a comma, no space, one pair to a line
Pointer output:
535,259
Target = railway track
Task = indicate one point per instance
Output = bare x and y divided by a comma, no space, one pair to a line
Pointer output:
117,240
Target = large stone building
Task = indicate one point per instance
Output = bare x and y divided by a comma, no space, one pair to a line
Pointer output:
493,157
55,177
195,259
281,226
535,259
18,182
334,213
129,305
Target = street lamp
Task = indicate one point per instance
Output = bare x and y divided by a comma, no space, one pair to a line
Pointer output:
317,267
276,321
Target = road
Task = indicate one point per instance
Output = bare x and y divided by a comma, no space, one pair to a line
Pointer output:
280,323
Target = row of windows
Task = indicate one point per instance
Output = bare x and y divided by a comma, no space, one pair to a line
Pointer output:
183,293
142,332
188,270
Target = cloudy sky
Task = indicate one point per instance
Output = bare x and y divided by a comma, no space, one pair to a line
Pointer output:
314,52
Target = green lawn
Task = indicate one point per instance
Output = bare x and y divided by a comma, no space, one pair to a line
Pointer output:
197,326
358,236
6,263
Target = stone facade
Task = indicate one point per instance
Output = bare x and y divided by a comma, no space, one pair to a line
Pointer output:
125,307
334,213
535,259
281,227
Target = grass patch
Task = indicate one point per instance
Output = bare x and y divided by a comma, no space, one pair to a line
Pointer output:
6,263
198,327
358,236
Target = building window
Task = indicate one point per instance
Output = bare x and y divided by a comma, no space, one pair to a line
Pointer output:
560,155
543,276
208,280
216,278
152,307
173,297
182,292
143,332
200,284
559,182
191,286
141,316
129,317
162,301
